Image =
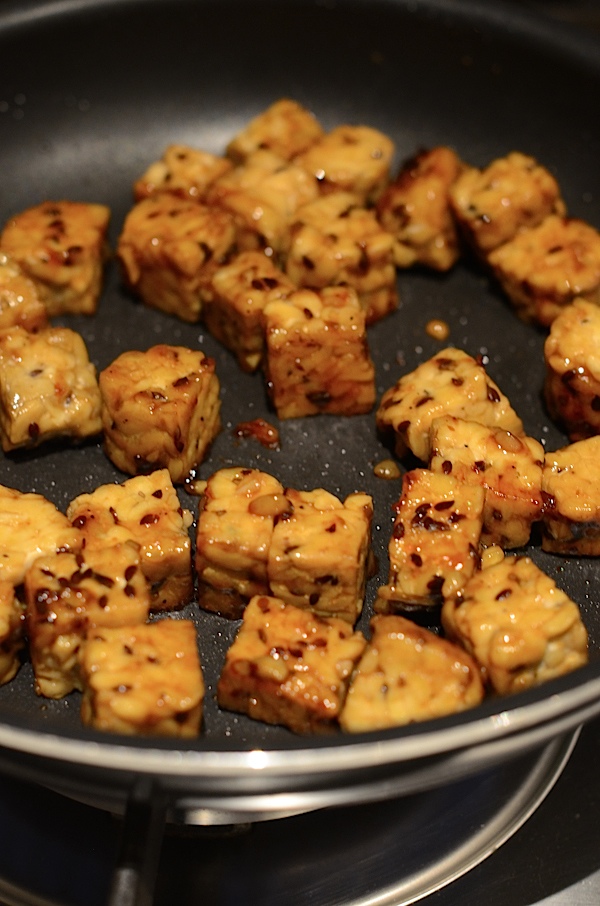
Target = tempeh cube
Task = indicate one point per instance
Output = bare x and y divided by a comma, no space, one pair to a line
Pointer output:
11,631
510,195
160,409
48,388
434,547
337,241
415,209
287,666
572,383
66,594
62,247
233,309
286,128
20,303
350,158
183,171
319,553
169,249
144,679
571,517
544,269
507,467
236,517
317,357
145,509
518,625
408,674
30,526
450,383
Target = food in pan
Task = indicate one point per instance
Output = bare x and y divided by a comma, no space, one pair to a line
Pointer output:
286,128
143,679
518,625
48,388
289,666
12,639
160,409
62,247
20,303
407,674
571,522
182,171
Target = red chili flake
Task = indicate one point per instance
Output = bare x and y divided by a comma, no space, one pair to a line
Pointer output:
505,593
417,559
493,395
446,467
79,521
149,519
158,494
34,431
261,430
130,572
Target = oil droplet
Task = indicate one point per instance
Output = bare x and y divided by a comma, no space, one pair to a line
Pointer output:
387,469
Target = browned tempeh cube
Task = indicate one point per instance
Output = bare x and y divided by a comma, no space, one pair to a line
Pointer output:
415,209
66,594
233,537
319,553
11,631
233,308
145,509
48,388
572,383
507,467
434,547
511,194
145,679
183,171
160,409
169,248
408,674
286,128
288,666
450,383
317,357
518,625
544,269
20,303
337,241
351,158
62,247
571,518
30,526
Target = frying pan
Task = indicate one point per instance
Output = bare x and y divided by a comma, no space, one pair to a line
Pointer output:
90,94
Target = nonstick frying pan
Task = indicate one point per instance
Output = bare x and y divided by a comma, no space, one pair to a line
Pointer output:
90,94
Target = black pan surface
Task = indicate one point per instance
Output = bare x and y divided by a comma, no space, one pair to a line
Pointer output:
92,92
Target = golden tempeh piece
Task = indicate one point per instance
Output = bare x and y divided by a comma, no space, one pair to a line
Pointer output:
518,625
507,467
408,674
572,383
20,303
571,519
350,158
62,247
512,194
11,631
287,666
183,171
145,509
317,357
337,241
30,526
450,383
66,594
160,409
286,128
169,249
415,209
233,308
319,553
544,269
234,533
48,388
434,547
143,680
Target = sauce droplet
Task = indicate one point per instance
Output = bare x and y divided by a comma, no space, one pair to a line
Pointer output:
387,468
437,329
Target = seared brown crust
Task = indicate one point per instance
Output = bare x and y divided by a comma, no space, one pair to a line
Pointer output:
286,128
288,666
160,409
571,522
62,247
408,674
